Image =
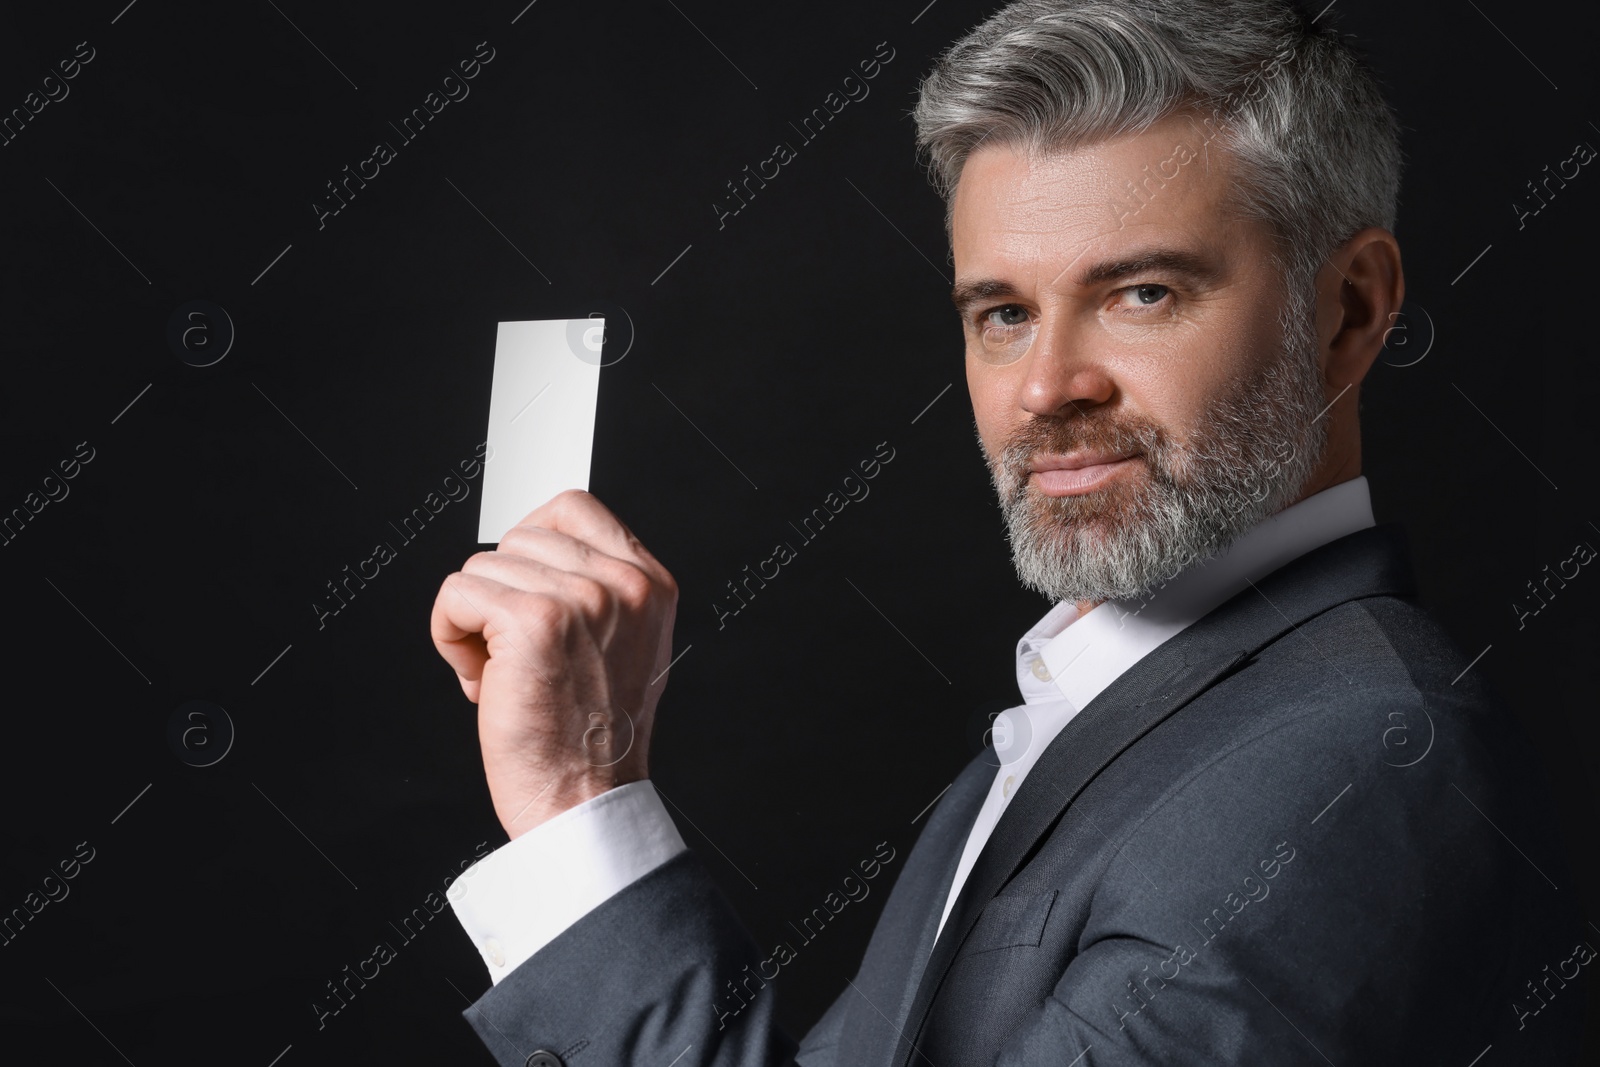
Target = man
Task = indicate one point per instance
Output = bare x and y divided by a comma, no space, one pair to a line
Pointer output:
1251,809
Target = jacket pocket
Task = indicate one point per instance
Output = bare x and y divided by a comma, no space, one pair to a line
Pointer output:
1010,922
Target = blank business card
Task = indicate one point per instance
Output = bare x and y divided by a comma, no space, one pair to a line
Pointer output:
541,417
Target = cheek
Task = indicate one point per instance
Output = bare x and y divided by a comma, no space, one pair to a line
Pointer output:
1166,380
990,409
1176,379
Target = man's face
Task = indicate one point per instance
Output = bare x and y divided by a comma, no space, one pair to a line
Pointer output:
1139,328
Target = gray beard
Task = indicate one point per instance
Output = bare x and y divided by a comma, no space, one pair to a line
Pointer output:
1250,456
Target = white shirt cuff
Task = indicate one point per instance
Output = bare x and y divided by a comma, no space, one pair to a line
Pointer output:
521,896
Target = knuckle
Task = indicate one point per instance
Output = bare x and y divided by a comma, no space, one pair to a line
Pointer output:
634,587
592,596
517,538
477,562
544,619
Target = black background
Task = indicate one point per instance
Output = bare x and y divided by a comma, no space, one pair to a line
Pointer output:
810,327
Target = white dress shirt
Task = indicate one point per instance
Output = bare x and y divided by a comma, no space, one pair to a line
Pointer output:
520,897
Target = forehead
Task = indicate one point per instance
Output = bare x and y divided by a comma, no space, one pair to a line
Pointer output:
1019,210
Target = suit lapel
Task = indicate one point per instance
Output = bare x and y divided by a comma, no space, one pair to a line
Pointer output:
903,938
1370,562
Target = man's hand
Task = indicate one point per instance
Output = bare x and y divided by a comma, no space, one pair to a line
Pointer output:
556,636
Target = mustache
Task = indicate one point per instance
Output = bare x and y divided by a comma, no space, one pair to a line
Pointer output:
1063,436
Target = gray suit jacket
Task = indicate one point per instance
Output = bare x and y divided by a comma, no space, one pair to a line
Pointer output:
1288,835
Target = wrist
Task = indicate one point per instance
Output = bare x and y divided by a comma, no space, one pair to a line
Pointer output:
532,808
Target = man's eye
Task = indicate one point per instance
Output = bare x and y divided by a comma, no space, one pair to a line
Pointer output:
1003,335
1010,315
1143,295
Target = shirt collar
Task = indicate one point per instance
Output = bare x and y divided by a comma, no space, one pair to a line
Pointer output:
1075,657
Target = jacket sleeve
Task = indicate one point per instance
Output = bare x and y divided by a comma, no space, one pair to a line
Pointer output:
509,904
661,970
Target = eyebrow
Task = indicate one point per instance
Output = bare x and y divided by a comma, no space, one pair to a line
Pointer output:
1191,266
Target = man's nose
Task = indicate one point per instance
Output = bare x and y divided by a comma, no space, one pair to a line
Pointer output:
1062,370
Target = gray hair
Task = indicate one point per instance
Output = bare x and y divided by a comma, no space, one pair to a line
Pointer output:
1317,146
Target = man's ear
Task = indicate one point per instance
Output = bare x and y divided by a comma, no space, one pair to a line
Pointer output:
1359,292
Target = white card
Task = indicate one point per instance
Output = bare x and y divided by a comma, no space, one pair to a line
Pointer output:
541,417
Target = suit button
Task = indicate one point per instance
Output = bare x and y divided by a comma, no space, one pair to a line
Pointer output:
543,1058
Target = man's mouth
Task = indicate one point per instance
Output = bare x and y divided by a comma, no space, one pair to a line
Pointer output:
1075,473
